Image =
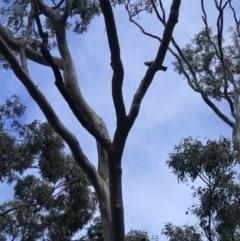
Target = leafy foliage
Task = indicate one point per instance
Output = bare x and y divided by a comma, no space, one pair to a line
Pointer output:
15,12
53,199
94,232
139,235
203,55
185,233
15,15
216,164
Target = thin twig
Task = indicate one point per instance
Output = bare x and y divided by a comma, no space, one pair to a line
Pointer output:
157,13
163,12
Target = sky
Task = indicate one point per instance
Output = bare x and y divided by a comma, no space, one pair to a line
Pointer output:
170,111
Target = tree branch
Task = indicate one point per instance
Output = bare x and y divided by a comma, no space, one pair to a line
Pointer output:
30,53
24,40
163,12
204,18
67,10
71,82
199,89
31,204
217,111
161,19
237,21
46,10
20,206
52,118
58,5
223,63
145,83
139,26
217,51
160,40
116,63
105,142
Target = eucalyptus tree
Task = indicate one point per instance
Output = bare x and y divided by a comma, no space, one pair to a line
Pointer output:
52,197
210,62
29,30
212,171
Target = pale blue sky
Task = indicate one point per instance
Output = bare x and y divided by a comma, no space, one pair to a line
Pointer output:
169,112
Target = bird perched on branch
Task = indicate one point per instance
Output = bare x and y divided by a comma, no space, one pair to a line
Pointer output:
148,63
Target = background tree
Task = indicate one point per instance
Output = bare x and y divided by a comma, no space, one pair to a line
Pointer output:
216,167
184,233
21,40
135,235
210,63
52,199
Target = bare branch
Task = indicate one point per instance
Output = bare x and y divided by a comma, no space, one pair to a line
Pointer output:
138,25
161,19
24,40
58,5
23,56
145,83
216,4
184,70
143,31
163,12
190,67
116,63
197,88
160,40
217,111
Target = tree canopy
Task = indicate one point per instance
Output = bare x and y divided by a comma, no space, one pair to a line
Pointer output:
215,164
52,198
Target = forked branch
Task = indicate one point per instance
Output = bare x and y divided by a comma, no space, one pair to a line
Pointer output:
61,87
